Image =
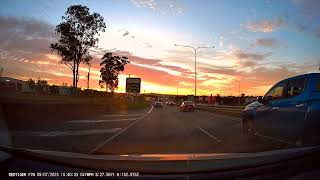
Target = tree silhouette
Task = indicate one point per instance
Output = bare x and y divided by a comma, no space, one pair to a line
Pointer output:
78,33
31,83
41,86
112,65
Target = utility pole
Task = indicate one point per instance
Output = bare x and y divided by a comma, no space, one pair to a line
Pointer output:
177,87
239,92
88,80
1,71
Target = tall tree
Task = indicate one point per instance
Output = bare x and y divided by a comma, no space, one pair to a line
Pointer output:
78,33
111,66
31,83
41,86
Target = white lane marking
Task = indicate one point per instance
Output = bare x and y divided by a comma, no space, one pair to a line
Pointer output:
274,139
117,134
121,115
98,121
79,133
28,133
149,110
210,135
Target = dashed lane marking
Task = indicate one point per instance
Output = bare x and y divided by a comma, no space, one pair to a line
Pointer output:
117,134
210,135
121,115
274,139
80,133
99,121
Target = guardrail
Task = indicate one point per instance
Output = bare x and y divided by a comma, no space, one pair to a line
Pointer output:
229,110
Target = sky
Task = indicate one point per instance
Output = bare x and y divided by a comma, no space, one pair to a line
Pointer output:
256,43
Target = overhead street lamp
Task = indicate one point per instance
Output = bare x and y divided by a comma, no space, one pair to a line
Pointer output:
195,63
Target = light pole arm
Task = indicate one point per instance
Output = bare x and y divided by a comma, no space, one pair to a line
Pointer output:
186,46
195,63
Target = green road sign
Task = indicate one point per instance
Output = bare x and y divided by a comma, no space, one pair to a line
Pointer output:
133,85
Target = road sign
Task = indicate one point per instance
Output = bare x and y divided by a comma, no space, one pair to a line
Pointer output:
133,85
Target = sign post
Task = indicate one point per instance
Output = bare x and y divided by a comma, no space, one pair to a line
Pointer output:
133,85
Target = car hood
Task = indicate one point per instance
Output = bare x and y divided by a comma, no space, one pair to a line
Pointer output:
253,105
166,163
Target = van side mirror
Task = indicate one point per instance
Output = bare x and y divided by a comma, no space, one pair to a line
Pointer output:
259,99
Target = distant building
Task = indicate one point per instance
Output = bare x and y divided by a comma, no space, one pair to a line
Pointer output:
64,90
11,85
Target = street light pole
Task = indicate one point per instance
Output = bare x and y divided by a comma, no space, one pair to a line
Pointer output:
177,88
195,64
239,92
195,73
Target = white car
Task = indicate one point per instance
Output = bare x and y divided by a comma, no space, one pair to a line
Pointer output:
158,104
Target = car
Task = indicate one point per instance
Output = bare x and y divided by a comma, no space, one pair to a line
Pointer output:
289,112
158,104
247,116
171,103
187,106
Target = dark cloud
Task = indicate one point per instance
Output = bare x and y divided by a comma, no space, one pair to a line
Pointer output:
318,33
308,18
267,42
126,33
26,26
220,70
150,62
308,8
251,56
25,38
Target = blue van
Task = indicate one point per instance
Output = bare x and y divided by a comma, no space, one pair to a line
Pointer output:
289,112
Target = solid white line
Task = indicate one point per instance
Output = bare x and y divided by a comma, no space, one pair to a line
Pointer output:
97,121
210,135
80,133
117,134
120,115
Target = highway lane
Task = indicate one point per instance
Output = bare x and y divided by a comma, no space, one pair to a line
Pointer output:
79,135
168,130
149,131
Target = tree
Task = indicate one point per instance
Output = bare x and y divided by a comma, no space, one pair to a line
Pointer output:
111,66
41,86
54,90
78,33
31,83
218,98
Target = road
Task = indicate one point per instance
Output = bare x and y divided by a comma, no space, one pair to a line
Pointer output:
150,131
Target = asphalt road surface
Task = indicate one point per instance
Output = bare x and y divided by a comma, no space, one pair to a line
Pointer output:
149,131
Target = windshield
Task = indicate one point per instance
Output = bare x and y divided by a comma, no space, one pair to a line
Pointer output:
110,77
187,103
